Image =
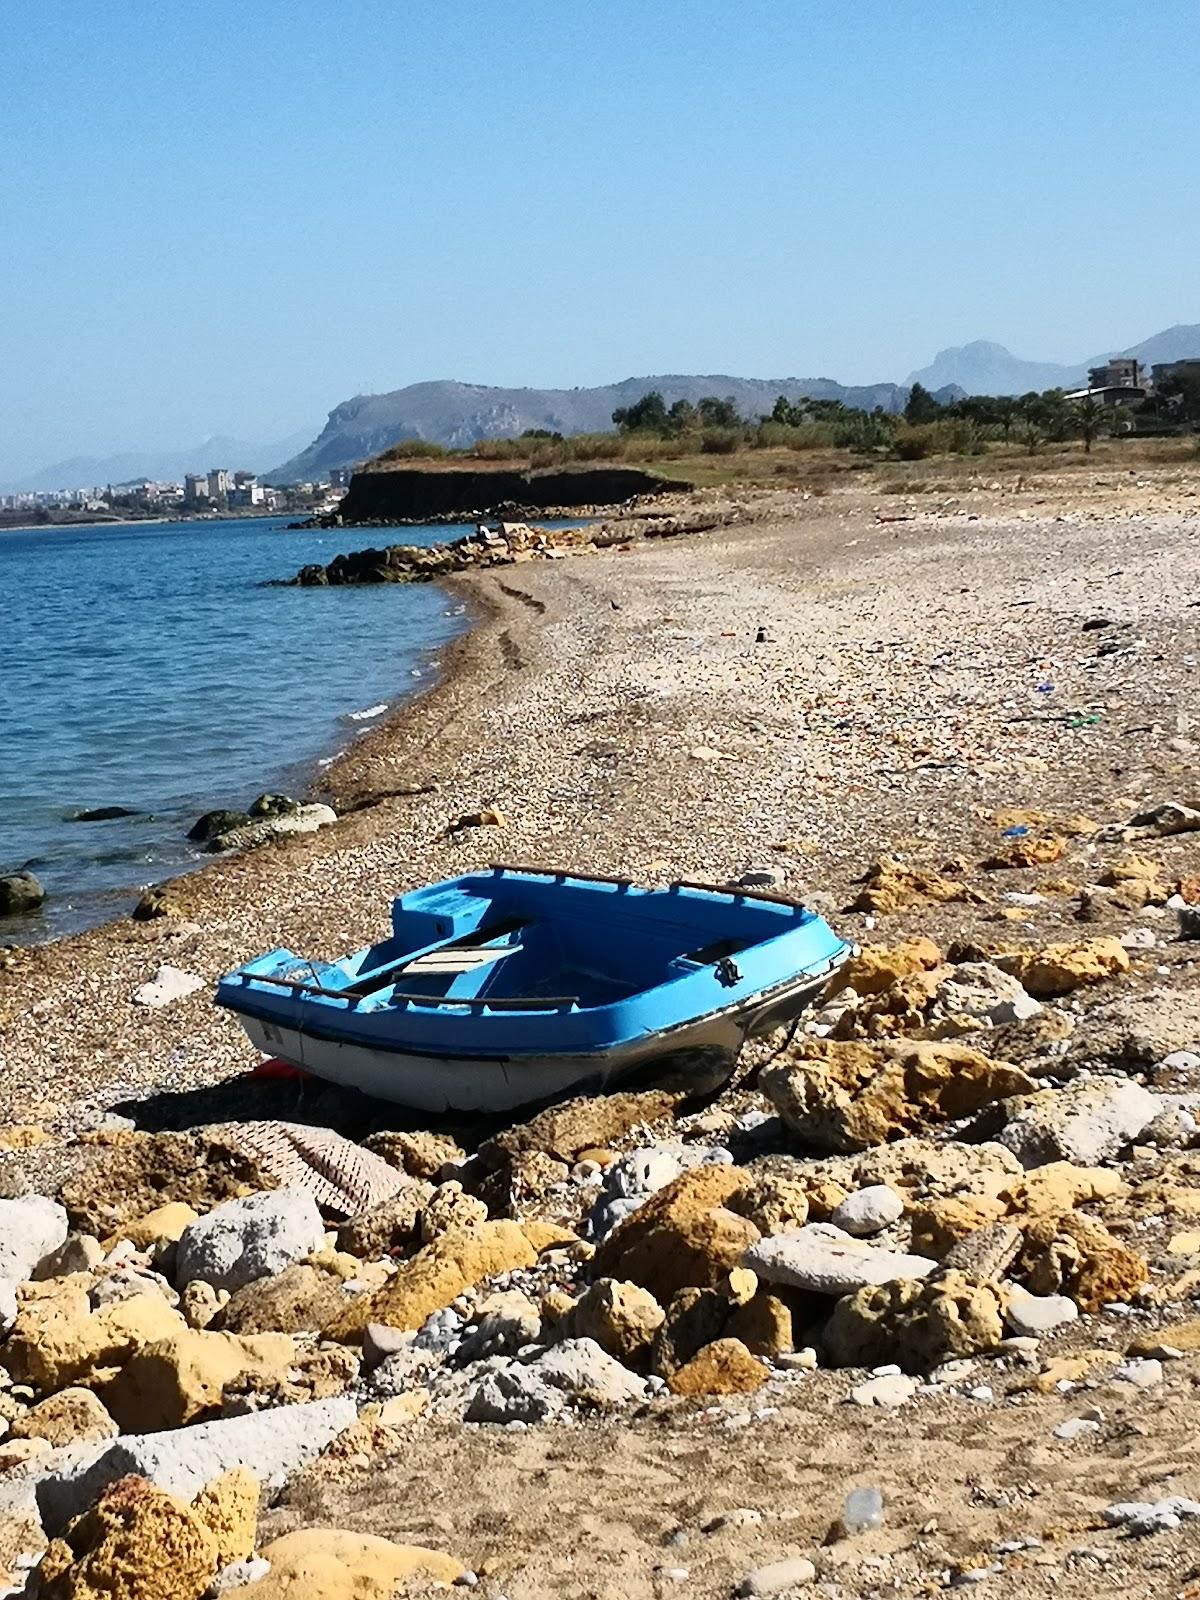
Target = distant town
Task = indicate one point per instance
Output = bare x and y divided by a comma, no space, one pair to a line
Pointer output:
218,492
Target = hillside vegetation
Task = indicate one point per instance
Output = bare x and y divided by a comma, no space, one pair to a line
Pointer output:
711,442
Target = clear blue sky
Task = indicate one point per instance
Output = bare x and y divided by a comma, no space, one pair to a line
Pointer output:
229,216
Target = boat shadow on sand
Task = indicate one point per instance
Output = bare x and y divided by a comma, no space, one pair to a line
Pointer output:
293,1096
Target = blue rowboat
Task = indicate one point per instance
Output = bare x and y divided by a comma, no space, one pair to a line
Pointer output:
517,986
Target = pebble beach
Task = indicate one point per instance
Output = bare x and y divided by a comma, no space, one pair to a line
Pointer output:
958,719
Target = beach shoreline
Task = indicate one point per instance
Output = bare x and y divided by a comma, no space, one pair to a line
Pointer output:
619,711
846,681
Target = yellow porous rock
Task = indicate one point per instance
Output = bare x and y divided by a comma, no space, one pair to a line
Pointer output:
723,1367
683,1236
333,1564
1060,969
436,1276
1061,1186
136,1543
1180,1335
1072,827
848,1096
892,885
71,1416
1067,1369
763,1324
228,1508
878,966
182,1378
774,1204
939,1224
163,1225
825,1195
22,1136
1075,1256
67,1347
622,1318
902,1008
916,1322
1030,851
548,1235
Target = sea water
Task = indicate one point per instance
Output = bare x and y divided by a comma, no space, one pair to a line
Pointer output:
149,666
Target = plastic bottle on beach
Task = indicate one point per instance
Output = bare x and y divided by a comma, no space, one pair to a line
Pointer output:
863,1510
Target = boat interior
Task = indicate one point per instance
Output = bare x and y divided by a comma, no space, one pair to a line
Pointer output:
536,941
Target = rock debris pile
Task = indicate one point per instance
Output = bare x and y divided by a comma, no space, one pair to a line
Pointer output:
508,544
970,1151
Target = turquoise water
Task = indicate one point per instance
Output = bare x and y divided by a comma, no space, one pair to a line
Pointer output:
149,667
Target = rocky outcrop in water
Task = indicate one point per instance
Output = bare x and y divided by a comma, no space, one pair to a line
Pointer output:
19,891
510,543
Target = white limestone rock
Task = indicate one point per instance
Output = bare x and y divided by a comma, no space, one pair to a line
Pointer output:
1032,1315
167,985
869,1210
251,1238
1087,1122
890,1390
777,1578
272,1444
31,1227
824,1260
514,1394
978,989
581,1369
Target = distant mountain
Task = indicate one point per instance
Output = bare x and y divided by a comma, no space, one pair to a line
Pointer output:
1173,344
169,466
459,414
985,368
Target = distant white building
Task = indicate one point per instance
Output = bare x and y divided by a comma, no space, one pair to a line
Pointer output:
246,491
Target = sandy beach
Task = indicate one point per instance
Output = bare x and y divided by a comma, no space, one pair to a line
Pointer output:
839,676
618,711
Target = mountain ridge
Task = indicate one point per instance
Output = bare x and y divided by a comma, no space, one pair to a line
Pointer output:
452,413
983,367
167,465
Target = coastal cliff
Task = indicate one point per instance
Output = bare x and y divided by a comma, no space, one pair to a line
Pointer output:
417,494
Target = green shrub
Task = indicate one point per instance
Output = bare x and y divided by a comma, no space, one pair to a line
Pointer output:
721,441
913,443
861,431
415,450
596,447
499,450
771,435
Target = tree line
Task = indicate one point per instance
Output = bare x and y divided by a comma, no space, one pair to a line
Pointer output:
925,424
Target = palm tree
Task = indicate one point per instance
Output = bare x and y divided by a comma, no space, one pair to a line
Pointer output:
1091,419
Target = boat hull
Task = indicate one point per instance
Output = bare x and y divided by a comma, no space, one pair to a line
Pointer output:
702,1052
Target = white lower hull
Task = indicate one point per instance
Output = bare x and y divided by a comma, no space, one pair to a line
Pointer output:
464,1083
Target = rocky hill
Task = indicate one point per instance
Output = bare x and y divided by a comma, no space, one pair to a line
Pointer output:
459,414
986,368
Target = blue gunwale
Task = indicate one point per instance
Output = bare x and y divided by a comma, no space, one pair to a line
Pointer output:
593,941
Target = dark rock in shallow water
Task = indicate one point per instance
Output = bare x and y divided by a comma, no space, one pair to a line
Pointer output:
156,902
273,805
213,823
104,814
19,891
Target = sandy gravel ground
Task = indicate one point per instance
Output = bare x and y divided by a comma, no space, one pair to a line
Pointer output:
802,692
618,711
